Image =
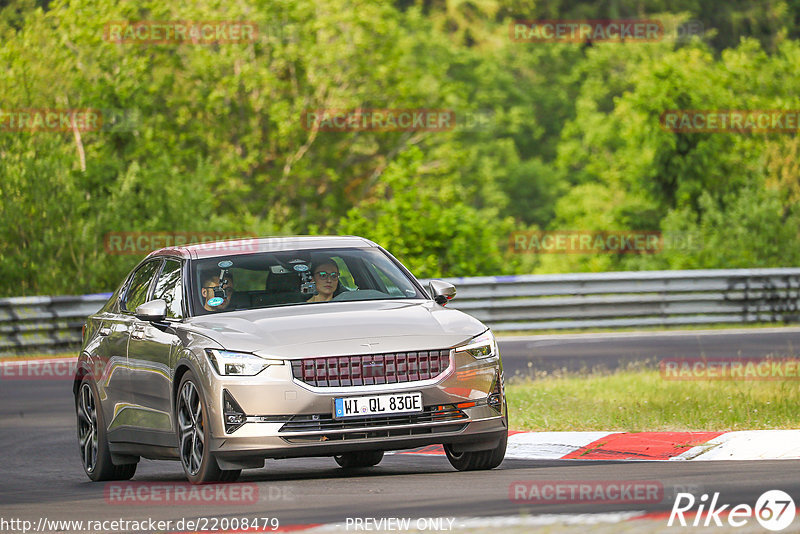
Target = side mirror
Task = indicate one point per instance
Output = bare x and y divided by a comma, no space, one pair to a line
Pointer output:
442,291
154,311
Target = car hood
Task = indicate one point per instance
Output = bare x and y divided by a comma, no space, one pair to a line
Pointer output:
339,328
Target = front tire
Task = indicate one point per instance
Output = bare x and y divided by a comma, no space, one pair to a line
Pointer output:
477,460
194,432
94,449
353,460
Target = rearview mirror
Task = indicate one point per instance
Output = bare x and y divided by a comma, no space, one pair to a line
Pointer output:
442,291
154,311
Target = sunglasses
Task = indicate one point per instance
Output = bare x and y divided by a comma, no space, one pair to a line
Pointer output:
330,276
226,286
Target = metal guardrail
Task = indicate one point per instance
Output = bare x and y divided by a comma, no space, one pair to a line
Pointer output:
45,324
631,299
527,302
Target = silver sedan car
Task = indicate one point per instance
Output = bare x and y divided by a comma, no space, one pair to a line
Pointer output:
221,355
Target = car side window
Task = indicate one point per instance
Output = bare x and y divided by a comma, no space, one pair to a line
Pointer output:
388,285
392,285
345,276
168,287
140,283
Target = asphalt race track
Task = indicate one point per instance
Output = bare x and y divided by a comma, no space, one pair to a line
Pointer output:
41,475
524,356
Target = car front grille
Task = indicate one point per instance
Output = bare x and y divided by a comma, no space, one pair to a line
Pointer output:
326,422
365,370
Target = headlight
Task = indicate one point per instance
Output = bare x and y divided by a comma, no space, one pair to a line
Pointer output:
482,346
238,363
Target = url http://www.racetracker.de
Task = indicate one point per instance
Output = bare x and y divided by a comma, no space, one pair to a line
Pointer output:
197,524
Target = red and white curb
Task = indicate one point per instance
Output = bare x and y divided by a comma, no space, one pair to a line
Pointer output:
648,446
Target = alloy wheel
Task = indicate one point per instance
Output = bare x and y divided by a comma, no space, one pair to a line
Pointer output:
87,428
190,428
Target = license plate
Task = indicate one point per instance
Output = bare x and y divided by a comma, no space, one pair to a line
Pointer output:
377,405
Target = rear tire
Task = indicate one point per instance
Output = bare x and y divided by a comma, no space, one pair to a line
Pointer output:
353,460
477,460
194,433
92,438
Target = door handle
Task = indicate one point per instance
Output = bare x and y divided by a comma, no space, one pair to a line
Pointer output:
137,333
104,331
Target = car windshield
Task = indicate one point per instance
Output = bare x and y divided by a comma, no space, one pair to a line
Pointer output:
299,277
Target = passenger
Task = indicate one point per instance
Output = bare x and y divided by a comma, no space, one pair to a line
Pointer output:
326,277
210,282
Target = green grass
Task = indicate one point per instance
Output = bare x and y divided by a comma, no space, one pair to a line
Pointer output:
641,401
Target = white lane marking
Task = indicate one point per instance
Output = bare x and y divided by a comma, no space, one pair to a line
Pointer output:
423,524
748,445
540,445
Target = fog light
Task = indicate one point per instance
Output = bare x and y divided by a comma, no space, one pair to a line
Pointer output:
233,415
495,399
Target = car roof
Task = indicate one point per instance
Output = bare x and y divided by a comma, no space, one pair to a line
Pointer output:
256,245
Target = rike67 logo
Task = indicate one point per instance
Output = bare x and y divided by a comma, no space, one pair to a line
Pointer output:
774,510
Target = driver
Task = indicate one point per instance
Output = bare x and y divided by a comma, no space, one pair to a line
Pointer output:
211,282
326,277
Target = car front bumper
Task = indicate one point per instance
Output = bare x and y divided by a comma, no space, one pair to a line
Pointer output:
285,417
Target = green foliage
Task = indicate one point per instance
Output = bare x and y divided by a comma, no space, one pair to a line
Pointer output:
711,189
210,138
429,227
